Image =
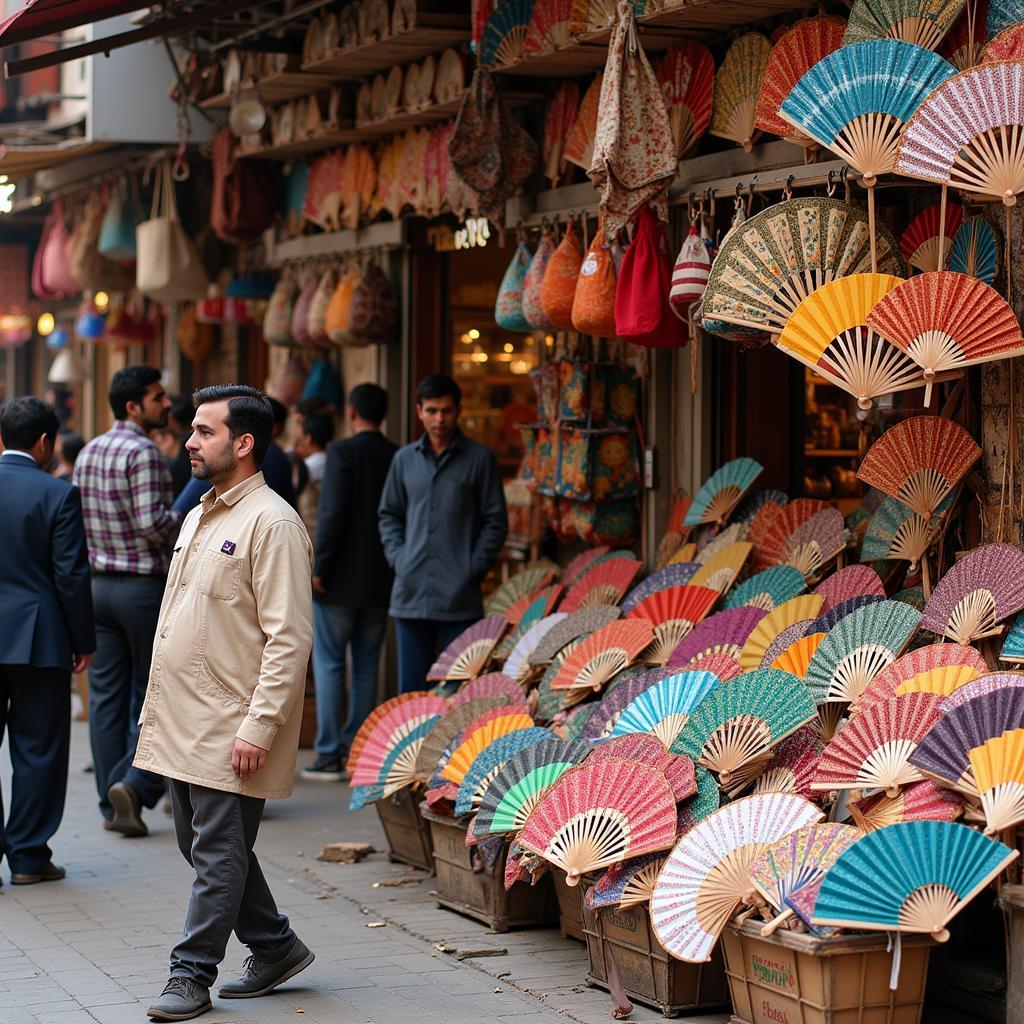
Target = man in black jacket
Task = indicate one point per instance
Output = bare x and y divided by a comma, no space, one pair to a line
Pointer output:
351,580
46,608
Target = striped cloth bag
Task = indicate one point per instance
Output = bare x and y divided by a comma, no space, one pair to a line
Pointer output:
690,273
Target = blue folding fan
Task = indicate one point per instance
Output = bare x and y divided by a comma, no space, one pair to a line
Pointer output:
1002,14
505,33
362,795
975,250
1013,646
489,761
664,708
722,492
767,589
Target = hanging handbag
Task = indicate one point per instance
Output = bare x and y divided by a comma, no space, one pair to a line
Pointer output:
323,383
300,314
277,321
318,309
245,192
690,273
168,267
339,309
593,307
508,310
533,311
91,269
559,287
117,232
374,316
51,273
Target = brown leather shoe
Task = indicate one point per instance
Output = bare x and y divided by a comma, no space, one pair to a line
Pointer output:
51,873
127,811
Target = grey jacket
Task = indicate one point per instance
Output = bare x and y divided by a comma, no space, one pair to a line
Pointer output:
442,523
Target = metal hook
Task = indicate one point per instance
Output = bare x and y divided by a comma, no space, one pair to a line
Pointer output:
787,190
830,184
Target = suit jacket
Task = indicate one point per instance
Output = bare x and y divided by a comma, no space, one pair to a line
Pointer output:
349,557
45,594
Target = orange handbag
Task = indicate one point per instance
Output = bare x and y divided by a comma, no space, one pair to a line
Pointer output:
559,287
593,308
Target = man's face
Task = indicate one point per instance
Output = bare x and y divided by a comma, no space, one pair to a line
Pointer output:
154,407
439,417
212,453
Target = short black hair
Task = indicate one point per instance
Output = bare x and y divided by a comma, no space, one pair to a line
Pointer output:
370,402
310,405
320,427
249,412
438,385
182,410
277,409
130,385
24,420
71,445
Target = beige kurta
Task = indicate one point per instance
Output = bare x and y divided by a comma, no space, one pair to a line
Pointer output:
232,644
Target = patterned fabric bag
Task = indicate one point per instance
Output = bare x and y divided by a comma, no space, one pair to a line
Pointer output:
339,309
532,308
277,321
593,307
300,314
374,316
545,384
318,309
508,310
559,287
615,395
690,274
616,523
597,465
575,452
574,388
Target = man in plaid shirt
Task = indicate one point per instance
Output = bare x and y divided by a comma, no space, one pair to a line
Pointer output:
129,524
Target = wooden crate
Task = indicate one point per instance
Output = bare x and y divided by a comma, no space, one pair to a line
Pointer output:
466,886
570,907
649,974
801,979
408,835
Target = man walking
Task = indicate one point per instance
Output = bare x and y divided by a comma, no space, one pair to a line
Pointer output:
126,496
46,608
221,719
443,522
351,580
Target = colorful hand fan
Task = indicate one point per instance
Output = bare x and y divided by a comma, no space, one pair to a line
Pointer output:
911,877
616,699
550,27
829,620
686,75
579,146
648,750
575,569
629,884
705,801
494,684
783,254
920,801
938,668
508,800
529,581
982,589
797,51
1012,651
488,764
898,532
602,654
671,576
714,543
722,491
478,738
797,609
983,684
946,321
966,133
748,508
871,751
571,628
853,581
925,236
920,22
998,767
672,613
772,535
963,44
725,633
817,542
796,860
767,589
796,658
596,815
977,250
708,873
792,764
782,643
720,571
517,664
737,84
505,33
920,460
558,121
1008,44
603,583
733,729
528,609
393,716
377,779
446,728
664,708
719,664
466,656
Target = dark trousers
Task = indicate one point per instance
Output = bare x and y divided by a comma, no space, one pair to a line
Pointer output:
35,710
126,608
419,643
216,832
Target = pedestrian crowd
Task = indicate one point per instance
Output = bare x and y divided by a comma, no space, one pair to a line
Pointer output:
201,574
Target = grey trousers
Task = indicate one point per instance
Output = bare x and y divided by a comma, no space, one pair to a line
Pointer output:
216,832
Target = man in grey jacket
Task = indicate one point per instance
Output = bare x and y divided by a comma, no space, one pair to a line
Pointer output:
442,523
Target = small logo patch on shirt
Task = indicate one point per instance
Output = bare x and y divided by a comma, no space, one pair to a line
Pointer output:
228,547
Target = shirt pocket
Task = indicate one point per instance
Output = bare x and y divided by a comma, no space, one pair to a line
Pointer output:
219,575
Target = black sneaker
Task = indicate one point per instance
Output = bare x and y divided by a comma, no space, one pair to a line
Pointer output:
325,769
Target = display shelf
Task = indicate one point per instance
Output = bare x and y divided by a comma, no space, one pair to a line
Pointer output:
317,143
276,88
831,453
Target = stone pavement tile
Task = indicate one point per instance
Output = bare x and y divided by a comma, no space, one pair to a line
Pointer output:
106,999
85,981
78,1016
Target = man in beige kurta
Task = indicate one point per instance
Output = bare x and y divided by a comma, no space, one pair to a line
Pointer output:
222,713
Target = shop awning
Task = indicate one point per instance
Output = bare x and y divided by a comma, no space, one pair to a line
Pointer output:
21,161
40,18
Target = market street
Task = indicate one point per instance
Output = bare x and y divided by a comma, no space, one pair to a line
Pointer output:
93,949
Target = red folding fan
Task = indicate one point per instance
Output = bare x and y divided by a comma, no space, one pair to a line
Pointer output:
602,654
919,244
759,526
397,717
853,581
673,613
920,801
937,668
469,652
686,75
558,121
771,546
649,750
604,583
579,565
518,607
720,665
791,769
579,146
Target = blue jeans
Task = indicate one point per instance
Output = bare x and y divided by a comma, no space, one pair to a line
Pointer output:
336,628
420,641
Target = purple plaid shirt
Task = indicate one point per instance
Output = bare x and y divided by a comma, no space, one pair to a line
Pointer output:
126,496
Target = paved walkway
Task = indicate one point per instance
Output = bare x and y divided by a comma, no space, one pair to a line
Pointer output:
93,949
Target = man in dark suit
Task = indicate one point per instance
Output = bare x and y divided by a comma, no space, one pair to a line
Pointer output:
351,580
46,608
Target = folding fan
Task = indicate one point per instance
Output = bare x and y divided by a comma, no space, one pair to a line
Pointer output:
571,628
920,801
938,668
469,652
686,75
982,589
796,658
615,700
767,589
602,654
517,664
524,777
826,622
725,633
921,22
664,708
494,684
926,241
524,611
797,51
796,860
797,609
404,712
1012,650
977,250
597,814
671,576
505,33
760,526
579,146
1008,44
946,321
529,581
966,133
982,685
575,569
783,254
737,84
603,583
708,873
718,664
629,884
722,491
640,746
853,581
446,728
816,542
392,770
914,876
782,643
558,121
871,751
773,536
712,542
854,651
488,764
720,572
963,44
733,729
748,508
673,613
324,197
477,738
998,767
791,768
898,532
549,27
920,460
